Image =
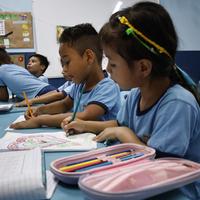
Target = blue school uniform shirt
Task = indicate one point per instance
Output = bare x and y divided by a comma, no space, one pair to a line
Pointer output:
66,87
18,79
171,125
44,78
105,94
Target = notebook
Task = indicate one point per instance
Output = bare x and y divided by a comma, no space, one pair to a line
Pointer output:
22,178
47,141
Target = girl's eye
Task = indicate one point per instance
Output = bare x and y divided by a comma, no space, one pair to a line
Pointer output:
112,65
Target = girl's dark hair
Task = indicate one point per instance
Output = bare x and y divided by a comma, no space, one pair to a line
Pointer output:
154,22
82,37
4,57
43,60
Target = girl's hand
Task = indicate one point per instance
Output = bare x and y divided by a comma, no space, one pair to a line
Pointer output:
123,134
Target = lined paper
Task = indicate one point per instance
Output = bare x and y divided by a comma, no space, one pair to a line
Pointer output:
21,176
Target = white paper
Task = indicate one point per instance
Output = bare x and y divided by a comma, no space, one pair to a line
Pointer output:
21,176
5,107
51,184
47,141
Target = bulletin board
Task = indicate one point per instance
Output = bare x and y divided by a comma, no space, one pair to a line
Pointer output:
16,29
18,59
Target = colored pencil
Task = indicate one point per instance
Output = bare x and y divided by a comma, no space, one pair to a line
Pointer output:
128,157
78,102
71,131
74,163
89,163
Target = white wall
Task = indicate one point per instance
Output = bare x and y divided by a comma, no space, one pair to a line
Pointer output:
185,15
49,13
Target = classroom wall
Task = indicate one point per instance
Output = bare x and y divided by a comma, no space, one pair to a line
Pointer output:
185,15
47,14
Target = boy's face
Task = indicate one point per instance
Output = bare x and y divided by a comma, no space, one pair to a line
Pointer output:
119,69
74,65
34,66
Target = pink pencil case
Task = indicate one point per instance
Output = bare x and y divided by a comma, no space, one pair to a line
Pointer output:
139,180
70,169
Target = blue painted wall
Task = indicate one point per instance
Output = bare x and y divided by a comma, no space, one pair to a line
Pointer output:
188,61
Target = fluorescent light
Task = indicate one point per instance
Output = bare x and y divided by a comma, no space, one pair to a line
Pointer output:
117,6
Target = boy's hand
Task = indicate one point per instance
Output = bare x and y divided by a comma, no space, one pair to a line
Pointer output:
78,126
107,134
35,112
31,123
23,104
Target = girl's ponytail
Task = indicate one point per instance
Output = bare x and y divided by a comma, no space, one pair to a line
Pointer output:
186,81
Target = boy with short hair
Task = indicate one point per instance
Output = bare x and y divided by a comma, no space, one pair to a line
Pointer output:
37,66
81,55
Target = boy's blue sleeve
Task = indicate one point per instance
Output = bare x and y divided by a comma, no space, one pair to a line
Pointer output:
106,94
73,91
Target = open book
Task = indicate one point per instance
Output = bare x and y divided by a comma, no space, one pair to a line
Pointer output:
21,175
47,141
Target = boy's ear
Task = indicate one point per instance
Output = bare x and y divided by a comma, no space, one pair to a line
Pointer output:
89,55
43,67
145,67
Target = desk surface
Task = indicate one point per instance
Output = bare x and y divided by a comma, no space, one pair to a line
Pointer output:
64,191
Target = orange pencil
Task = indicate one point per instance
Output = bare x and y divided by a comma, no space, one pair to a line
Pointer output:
27,103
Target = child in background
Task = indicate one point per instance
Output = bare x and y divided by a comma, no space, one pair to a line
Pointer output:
140,43
19,80
51,96
81,56
37,65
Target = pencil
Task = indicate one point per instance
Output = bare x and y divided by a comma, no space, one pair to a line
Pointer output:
78,102
71,131
28,105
